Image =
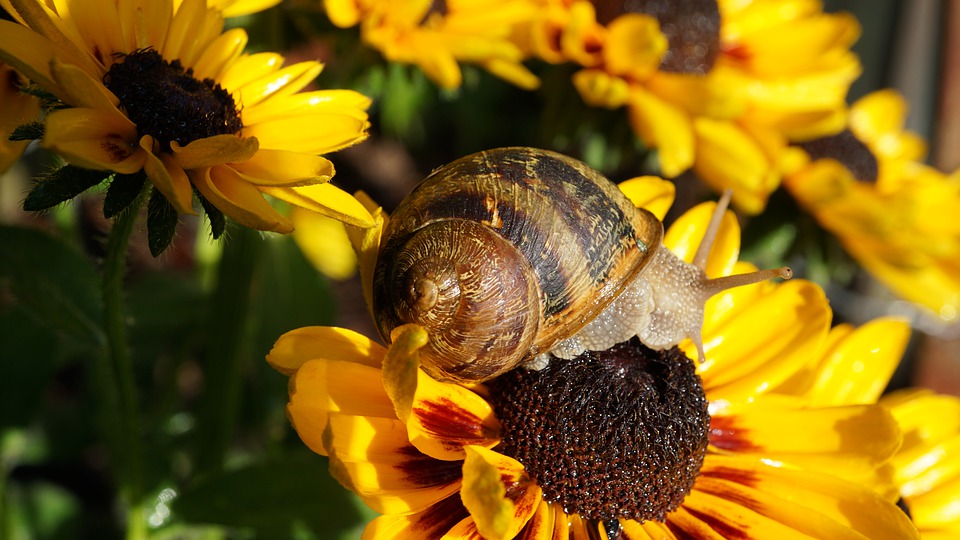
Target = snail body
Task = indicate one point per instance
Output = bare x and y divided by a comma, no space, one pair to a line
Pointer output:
508,254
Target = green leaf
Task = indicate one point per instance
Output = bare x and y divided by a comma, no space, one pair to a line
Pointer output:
31,352
60,185
56,286
217,222
123,190
161,223
28,132
273,498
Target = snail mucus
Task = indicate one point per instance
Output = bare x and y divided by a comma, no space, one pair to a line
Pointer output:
510,256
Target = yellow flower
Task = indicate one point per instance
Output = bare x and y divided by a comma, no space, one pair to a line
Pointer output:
235,8
436,36
868,188
158,87
720,87
926,465
16,108
570,452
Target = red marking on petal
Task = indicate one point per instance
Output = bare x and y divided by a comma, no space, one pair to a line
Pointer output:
423,470
441,517
740,476
452,422
726,435
117,147
737,52
726,530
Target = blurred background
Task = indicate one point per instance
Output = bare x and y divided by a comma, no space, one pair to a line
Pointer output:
222,460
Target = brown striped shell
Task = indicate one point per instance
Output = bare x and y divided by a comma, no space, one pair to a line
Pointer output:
504,253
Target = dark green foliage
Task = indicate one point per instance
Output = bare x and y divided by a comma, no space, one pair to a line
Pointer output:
60,185
161,223
218,223
123,190
28,132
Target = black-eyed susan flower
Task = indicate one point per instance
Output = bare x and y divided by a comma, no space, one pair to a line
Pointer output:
159,90
624,443
439,35
926,466
710,85
868,187
16,108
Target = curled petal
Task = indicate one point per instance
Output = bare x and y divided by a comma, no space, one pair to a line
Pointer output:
237,198
94,139
280,168
295,347
215,150
325,199
499,494
324,242
168,177
366,243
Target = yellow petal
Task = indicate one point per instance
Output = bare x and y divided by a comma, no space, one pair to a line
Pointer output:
761,340
325,199
487,475
239,199
599,89
683,238
295,347
370,456
804,502
541,524
280,168
663,126
850,442
877,114
324,242
366,244
246,7
858,367
513,72
302,103
248,68
444,418
168,177
29,53
94,139
320,387
434,522
280,83
938,509
149,20
634,46
401,366
302,134
225,48
650,192
727,157
70,47
215,150
81,90
187,28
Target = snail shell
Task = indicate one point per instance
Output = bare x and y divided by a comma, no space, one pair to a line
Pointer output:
504,253
509,254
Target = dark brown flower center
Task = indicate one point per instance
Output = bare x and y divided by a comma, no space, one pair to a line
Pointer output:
692,28
846,148
620,433
167,102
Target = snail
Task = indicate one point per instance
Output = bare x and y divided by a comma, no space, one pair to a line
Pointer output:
510,256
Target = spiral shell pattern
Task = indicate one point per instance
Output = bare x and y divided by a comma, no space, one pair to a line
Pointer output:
503,253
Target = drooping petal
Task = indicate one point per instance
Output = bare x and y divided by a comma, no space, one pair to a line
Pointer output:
433,522
325,199
372,457
366,243
499,494
663,126
238,199
280,168
215,150
68,44
324,242
94,139
168,177
30,54
650,192
295,347
82,90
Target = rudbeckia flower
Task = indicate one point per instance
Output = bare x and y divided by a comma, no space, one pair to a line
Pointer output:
16,108
438,35
624,443
926,465
868,187
158,88
719,87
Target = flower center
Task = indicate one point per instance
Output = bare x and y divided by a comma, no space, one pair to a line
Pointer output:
846,148
692,29
167,102
613,434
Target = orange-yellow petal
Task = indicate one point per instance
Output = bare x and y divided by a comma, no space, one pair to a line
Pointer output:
94,139
487,475
650,192
239,199
297,346
683,238
79,89
215,150
168,177
281,168
434,522
325,199
663,126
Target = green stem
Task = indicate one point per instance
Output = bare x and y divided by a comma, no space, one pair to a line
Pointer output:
229,346
130,450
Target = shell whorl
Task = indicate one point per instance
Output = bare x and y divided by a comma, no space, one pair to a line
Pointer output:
576,234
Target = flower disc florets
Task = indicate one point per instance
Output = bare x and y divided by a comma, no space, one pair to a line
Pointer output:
620,433
165,101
